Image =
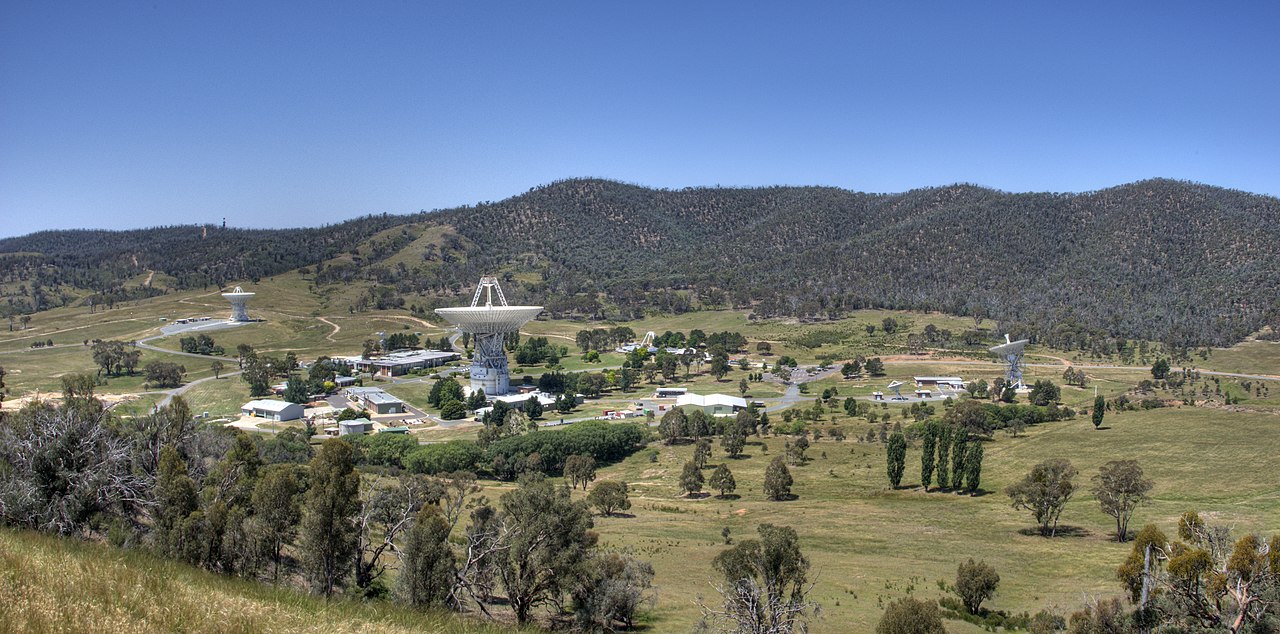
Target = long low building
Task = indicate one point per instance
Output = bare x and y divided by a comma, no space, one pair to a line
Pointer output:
272,409
953,382
402,361
713,404
546,400
376,399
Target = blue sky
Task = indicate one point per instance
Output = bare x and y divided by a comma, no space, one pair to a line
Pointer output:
123,114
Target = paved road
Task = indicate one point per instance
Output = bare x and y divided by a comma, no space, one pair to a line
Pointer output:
1262,377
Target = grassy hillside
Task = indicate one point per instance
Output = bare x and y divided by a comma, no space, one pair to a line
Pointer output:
57,585
869,544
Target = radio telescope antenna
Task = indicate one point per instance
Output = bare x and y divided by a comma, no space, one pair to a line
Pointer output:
896,386
238,298
1011,352
488,324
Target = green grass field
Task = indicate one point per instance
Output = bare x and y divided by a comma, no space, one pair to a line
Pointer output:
61,585
869,544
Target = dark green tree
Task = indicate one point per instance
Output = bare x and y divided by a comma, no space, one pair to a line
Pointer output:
609,496
909,615
1044,393
973,468
777,480
276,505
722,480
691,479
328,532
896,457
975,582
1099,410
544,542
428,565
943,464
296,390
765,583
672,426
733,439
959,454
1160,369
929,442
176,500
533,408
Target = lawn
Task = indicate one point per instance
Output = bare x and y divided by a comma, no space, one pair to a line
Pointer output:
220,397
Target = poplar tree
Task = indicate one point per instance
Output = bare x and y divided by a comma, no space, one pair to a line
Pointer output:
959,454
944,452
929,443
896,458
973,468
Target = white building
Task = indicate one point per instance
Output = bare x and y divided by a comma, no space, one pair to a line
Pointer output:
354,426
376,399
401,361
713,404
953,382
272,409
516,400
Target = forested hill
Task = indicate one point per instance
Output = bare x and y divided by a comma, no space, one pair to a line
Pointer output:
1179,262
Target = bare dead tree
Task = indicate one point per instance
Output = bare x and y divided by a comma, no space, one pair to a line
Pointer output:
749,608
386,511
487,539
65,466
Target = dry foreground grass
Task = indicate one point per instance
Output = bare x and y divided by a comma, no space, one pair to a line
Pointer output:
869,544
53,585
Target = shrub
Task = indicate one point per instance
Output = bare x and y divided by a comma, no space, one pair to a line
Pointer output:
386,450
909,615
455,455
975,583
605,442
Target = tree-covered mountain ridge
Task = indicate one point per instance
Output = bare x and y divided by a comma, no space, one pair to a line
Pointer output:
1185,263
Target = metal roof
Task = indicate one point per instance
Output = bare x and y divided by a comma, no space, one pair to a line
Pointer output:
270,405
710,400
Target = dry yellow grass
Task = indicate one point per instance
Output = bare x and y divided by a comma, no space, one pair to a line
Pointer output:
57,585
